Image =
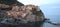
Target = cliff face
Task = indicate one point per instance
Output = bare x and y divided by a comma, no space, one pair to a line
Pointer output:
21,15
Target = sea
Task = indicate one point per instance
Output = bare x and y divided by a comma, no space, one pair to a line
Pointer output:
52,12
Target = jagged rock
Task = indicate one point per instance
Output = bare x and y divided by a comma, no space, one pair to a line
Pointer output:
22,15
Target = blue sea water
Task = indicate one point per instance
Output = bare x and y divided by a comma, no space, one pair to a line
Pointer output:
52,12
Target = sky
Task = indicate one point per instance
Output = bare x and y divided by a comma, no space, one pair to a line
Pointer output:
38,2
45,5
49,7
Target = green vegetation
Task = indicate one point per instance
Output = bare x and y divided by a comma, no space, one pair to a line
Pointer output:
9,2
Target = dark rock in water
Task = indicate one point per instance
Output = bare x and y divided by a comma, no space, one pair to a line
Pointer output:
37,24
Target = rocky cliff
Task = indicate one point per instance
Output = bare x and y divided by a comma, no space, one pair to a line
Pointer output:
26,13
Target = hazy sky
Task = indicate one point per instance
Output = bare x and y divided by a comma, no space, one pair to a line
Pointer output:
38,2
49,7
